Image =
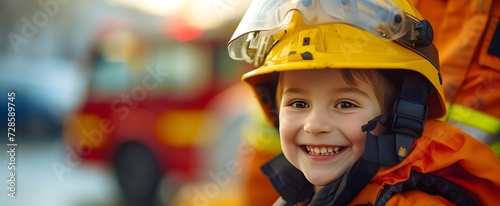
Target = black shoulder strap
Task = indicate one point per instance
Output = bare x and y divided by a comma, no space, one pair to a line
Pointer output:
431,184
355,180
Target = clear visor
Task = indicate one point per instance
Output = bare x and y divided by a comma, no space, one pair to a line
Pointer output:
265,18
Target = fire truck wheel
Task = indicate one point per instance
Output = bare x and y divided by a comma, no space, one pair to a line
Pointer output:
138,174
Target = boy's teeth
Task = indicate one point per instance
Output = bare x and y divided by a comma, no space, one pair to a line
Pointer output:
322,150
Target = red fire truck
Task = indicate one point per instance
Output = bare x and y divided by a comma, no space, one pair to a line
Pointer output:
145,113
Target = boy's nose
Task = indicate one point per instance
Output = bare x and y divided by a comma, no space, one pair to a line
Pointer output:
318,122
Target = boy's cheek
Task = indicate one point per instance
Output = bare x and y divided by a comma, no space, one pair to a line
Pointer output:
284,129
289,118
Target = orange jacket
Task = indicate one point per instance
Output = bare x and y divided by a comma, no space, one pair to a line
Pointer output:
469,59
445,151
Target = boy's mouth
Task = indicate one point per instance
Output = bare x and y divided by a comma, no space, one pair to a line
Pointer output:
323,150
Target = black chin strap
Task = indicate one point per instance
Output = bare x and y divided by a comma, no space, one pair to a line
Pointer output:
410,113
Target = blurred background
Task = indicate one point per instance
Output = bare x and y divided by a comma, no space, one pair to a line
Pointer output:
121,102
129,103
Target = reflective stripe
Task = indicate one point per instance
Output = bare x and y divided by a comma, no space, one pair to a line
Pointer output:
481,135
473,118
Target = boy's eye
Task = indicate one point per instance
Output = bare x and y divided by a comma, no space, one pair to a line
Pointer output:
343,105
299,104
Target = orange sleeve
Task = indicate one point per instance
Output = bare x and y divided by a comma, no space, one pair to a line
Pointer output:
417,197
463,33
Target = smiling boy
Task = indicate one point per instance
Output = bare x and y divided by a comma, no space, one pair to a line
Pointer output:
354,88
321,116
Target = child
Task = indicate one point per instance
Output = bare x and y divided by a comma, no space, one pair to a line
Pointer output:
355,91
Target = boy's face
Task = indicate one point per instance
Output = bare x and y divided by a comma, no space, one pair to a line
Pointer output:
320,122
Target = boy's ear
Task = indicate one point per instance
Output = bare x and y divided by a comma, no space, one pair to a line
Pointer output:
268,103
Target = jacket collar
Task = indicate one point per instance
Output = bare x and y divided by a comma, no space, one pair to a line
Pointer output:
293,187
288,181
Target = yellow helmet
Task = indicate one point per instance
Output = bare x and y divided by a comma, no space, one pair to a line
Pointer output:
283,35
